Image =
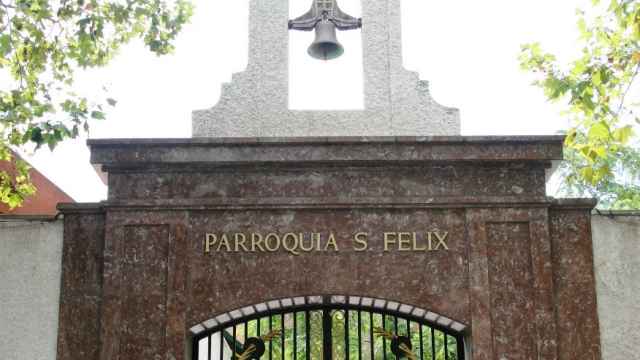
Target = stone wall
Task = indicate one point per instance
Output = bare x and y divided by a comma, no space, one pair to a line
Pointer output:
30,258
30,263
616,243
138,280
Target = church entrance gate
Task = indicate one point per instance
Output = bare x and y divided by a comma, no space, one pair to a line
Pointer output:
460,227
331,327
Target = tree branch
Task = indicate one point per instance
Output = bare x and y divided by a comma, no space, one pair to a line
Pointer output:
624,94
7,6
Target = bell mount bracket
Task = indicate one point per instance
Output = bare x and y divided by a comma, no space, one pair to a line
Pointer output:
325,10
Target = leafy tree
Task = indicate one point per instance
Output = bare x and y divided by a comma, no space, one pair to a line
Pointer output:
601,99
43,44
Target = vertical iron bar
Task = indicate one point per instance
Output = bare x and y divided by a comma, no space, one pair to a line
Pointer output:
446,347
346,333
233,349
459,348
359,336
295,335
221,345
258,328
246,331
195,351
395,325
209,347
371,334
307,328
433,344
327,339
282,336
270,342
384,341
408,334
421,341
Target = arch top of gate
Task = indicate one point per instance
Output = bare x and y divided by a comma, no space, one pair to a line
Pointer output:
350,302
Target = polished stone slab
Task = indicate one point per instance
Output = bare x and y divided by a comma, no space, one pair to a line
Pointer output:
515,263
221,151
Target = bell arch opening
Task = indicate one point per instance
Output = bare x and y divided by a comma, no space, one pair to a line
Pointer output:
333,83
329,327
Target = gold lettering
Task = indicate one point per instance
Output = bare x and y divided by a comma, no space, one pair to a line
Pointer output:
331,242
292,248
415,244
239,240
313,241
441,240
404,239
256,241
301,241
266,242
224,241
388,240
360,240
209,241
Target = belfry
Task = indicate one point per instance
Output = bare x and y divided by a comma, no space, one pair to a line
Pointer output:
430,245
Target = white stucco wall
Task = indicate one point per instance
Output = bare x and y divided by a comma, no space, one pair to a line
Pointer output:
616,244
30,268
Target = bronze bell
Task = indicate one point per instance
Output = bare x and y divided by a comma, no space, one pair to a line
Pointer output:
325,17
326,45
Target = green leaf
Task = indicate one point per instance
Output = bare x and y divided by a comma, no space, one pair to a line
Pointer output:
99,115
5,44
597,78
570,139
582,27
579,67
623,134
600,173
36,136
599,131
587,174
599,151
613,5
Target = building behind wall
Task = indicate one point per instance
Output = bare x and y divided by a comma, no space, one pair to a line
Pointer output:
30,268
616,247
43,203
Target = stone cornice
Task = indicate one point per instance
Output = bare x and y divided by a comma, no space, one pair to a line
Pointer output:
133,153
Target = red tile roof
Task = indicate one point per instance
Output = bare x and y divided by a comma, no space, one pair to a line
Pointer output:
43,203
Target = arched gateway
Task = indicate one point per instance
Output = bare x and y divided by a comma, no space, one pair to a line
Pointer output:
197,228
328,327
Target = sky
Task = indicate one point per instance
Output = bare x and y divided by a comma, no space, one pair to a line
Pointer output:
466,49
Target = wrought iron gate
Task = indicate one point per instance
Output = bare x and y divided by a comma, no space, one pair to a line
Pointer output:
328,330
